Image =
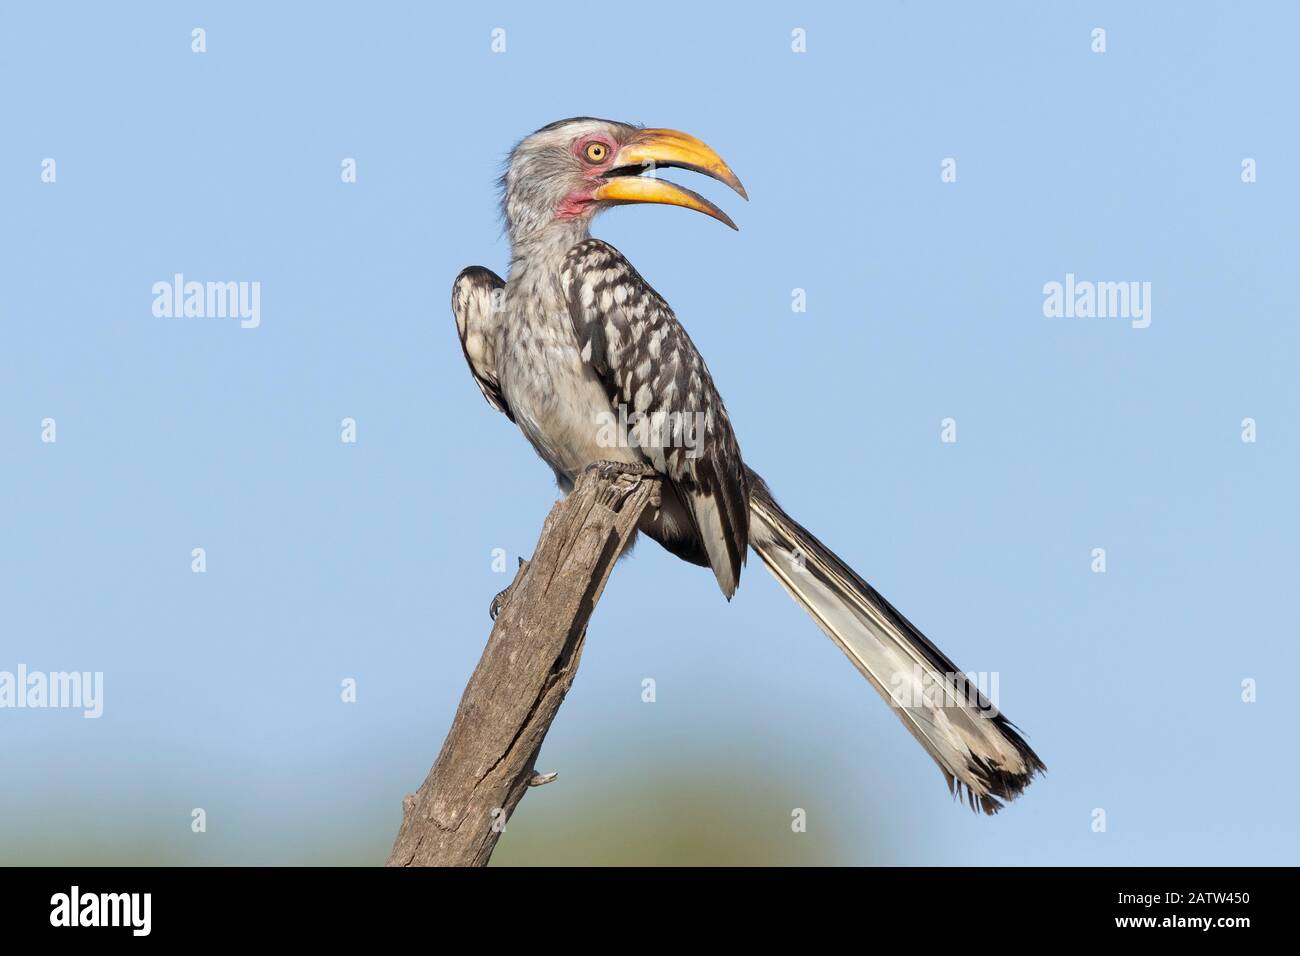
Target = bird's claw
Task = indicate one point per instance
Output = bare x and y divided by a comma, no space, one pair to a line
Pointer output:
499,602
612,469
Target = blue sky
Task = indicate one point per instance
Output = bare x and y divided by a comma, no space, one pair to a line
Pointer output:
373,561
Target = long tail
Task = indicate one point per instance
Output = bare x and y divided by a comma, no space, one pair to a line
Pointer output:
976,747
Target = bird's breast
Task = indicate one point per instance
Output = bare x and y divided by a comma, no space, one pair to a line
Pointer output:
559,403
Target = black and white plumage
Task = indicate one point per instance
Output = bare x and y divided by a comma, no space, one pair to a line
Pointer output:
630,338
475,295
576,347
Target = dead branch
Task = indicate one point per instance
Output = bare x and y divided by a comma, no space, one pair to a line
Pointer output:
487,761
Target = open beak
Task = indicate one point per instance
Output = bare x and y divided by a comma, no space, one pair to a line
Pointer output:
652,149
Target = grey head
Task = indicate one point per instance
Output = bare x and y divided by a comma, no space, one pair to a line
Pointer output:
561,176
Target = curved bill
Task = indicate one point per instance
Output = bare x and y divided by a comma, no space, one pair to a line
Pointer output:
654,148
671,147
625,189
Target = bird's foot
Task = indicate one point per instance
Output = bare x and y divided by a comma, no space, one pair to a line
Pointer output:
499,602
612,469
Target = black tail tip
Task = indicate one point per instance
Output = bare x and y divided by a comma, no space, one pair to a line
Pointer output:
999,786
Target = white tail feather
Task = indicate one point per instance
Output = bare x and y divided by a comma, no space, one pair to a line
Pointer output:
977,748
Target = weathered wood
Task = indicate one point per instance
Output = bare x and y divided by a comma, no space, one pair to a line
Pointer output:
487,760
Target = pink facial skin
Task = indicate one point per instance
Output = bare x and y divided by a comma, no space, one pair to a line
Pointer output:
575,204
580,202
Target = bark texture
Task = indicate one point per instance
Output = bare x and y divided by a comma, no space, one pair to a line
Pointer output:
487,761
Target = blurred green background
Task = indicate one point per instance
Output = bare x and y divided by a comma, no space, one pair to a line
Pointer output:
662,810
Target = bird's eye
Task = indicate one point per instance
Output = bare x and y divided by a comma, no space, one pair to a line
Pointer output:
596,152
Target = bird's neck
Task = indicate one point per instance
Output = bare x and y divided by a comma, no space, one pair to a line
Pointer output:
543,248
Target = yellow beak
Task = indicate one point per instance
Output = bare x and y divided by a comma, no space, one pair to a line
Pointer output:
655,148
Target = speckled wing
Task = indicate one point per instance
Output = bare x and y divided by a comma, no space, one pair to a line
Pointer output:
630,338
476,303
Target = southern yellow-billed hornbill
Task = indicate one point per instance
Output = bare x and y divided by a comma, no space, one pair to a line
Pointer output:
593,366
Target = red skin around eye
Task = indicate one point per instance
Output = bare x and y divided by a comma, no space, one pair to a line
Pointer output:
579,202
580,150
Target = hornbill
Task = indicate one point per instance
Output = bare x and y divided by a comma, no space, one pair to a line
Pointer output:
575,339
